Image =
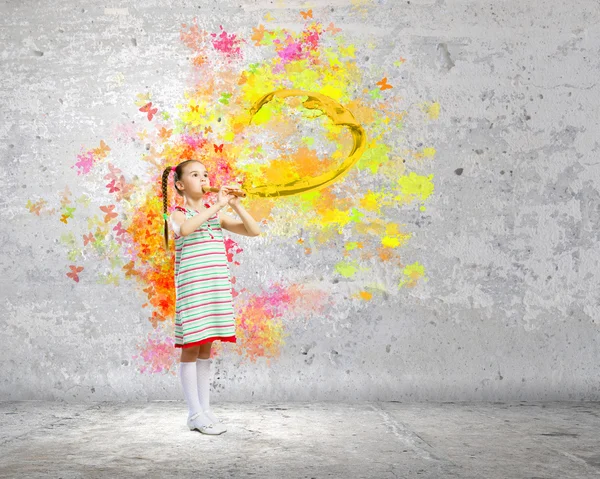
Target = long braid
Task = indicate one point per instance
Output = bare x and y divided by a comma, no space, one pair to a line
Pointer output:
165,179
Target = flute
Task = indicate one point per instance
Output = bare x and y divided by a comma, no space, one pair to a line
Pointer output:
212,189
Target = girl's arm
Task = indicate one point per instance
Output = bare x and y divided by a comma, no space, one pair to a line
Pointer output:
192,224
247,227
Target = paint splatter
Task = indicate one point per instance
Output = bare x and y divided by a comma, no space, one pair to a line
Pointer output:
287,140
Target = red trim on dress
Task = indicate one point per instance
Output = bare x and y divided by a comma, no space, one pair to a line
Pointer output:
229,339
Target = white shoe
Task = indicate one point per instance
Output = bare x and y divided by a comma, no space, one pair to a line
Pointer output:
210,428
209,414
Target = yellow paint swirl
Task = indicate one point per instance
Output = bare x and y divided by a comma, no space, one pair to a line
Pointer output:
339,116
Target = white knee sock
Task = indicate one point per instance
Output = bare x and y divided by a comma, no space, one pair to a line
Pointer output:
189,381
203,378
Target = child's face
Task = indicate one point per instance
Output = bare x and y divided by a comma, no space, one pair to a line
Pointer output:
194,178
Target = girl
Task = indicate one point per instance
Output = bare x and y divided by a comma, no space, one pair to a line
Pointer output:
204,304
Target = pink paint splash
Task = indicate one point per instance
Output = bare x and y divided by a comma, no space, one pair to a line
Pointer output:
232,247
158,354
227,44
84,163
296,49
291,52
261,318
194,142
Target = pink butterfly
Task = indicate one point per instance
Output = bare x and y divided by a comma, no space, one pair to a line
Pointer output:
119,229
112,187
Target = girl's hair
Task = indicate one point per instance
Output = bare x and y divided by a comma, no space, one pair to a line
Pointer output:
165,178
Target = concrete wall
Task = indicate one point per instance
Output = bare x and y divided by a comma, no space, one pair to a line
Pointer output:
485,286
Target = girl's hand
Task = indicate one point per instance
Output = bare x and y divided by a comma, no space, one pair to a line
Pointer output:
234,201
223,196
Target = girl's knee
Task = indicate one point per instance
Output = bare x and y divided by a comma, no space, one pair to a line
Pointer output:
204,351
190,354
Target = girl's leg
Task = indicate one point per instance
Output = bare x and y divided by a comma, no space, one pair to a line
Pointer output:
204,351
204,378
189,381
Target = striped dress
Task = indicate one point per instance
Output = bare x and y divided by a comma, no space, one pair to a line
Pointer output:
204,301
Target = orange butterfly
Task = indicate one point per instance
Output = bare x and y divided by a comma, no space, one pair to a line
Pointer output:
63,218
151,111
109,212
88,238
332,29
149,291
129,271
102,150
218,148
384,85
74,271
194,108
258,34
164,133
207,129
307,14
35,207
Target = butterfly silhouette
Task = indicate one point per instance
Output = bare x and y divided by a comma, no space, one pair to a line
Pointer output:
35,207
100,234
333,29
69,211
112,187
164,133
119,229
194,108
74,272
152,156
151,111
87,239
63,218
207,130
383,84
109,212
307,14
142,134
114,171
84,199
258,34
149,291
65,200
225,98
218,148
129,271
102,150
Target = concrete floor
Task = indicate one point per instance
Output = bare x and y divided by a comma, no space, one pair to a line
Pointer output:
298,440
